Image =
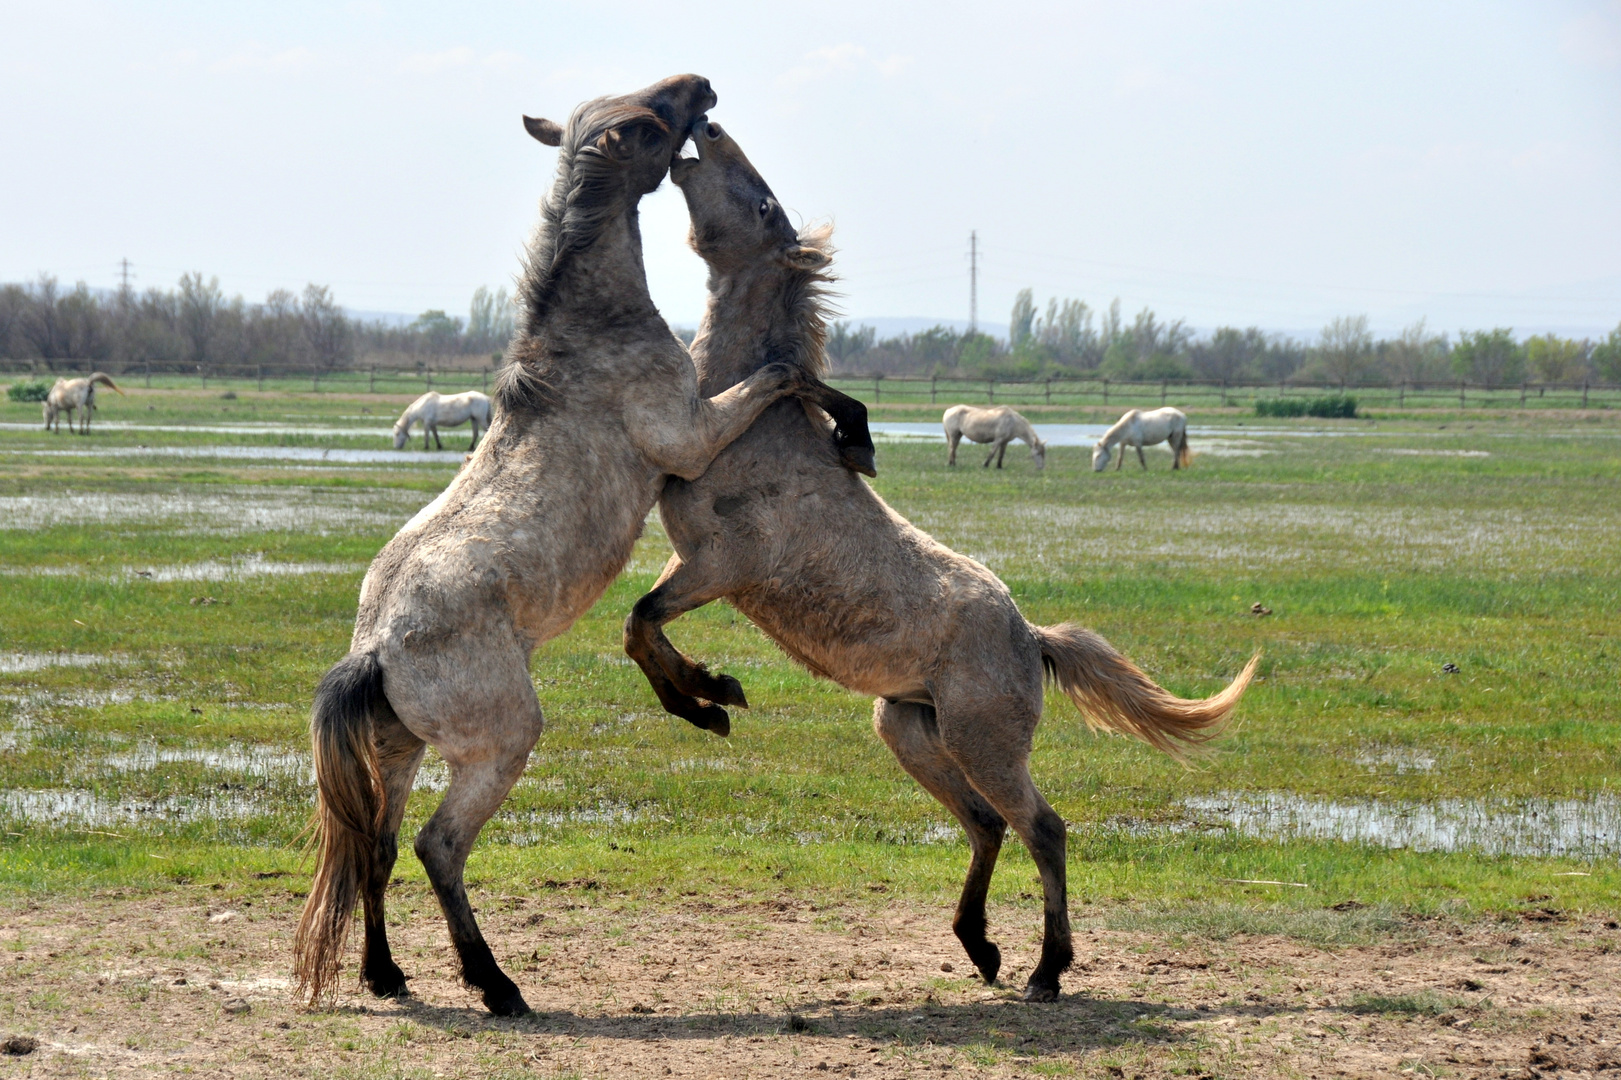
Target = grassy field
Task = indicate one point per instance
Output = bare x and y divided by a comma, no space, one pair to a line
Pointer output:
154,725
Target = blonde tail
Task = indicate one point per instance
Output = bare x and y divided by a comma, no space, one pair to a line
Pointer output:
1114,694
349,814
1184,456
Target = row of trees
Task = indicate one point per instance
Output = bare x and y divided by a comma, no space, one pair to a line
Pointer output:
1070,338
197,324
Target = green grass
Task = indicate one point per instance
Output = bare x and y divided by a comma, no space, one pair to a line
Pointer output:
1492,547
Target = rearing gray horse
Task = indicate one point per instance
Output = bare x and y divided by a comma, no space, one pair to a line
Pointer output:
527,536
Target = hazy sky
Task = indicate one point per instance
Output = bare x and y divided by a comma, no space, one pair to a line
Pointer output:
1267,163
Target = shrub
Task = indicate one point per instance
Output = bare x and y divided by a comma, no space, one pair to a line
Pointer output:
28,391
1329,407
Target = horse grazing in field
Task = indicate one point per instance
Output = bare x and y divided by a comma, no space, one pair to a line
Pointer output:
847,587
72,395
1140,429
434,408
599,404
998,425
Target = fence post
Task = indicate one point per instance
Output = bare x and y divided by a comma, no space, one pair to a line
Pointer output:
486,380
1049,389
1224,393
1461,402
1584,393
429,373
1522,395
990,390
148,365
371,381
203,371
877,391
259,373
1401,394
315,379
1105,391
1164,388
933,379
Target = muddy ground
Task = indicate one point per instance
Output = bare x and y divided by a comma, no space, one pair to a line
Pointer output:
195,981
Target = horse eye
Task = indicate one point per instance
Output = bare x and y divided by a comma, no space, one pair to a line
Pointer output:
765,207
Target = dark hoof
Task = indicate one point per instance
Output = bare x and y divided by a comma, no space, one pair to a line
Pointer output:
1040,992
387,983
722,690
861,459
988,959
711,718
506,1002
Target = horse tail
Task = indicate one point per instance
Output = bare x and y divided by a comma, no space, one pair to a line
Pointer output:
106,380
1184,456
349,812
1114,694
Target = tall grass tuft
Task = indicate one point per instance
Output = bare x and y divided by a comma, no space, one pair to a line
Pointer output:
1329,407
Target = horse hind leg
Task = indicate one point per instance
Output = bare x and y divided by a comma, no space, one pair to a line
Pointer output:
399,753
683,685
993,754
953,439
910,732
479,782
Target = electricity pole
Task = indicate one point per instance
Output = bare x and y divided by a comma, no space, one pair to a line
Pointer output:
973,281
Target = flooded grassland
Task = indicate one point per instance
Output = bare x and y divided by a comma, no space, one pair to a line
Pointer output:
1436,735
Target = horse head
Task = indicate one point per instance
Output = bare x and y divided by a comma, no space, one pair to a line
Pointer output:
1038,451
1100,456
402,433
736,220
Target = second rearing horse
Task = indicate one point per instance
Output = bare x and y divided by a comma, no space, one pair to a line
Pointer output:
846,586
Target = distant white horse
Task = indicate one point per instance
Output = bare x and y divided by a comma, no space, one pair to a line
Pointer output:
1140,429
434,408
71,395
998,426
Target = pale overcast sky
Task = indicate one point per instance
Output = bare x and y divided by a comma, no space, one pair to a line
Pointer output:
1230,163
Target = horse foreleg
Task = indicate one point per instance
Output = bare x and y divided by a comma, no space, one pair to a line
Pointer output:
1001,452
1121,460
1141,459
473,420
850,432
437,444
399,753
910,732
683,685
479,782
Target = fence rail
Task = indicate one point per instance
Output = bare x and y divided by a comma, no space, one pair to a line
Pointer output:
915,389
880,389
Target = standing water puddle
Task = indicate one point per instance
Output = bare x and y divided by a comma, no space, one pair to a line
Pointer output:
1578,828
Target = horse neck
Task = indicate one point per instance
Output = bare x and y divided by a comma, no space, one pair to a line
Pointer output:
757,316
1022,429
602,285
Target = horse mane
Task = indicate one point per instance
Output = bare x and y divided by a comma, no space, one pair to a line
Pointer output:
582,200
1112,434
808,301
573,215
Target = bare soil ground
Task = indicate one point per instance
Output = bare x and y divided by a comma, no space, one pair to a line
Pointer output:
194,981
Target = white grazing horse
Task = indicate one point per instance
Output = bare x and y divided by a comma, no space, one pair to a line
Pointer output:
1140,429
434,408
998,425
70,395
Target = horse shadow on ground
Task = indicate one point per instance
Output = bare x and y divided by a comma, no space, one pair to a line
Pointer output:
1074,1022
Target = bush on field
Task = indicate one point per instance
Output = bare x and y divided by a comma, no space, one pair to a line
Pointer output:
28,391
1330,407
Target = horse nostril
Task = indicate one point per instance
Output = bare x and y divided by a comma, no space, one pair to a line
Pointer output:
712,132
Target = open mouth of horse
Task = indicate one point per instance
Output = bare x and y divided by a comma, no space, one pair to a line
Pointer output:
694,137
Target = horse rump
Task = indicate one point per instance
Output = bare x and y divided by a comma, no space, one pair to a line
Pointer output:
349,814
1115,695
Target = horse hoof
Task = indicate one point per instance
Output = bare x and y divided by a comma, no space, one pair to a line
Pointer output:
387,984
1040,992
712,718
988,959
506,1003
859,459
727,691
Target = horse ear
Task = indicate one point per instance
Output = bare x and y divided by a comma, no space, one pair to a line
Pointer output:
639,130
799,257
543,130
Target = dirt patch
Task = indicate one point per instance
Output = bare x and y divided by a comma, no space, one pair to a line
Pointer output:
197,981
